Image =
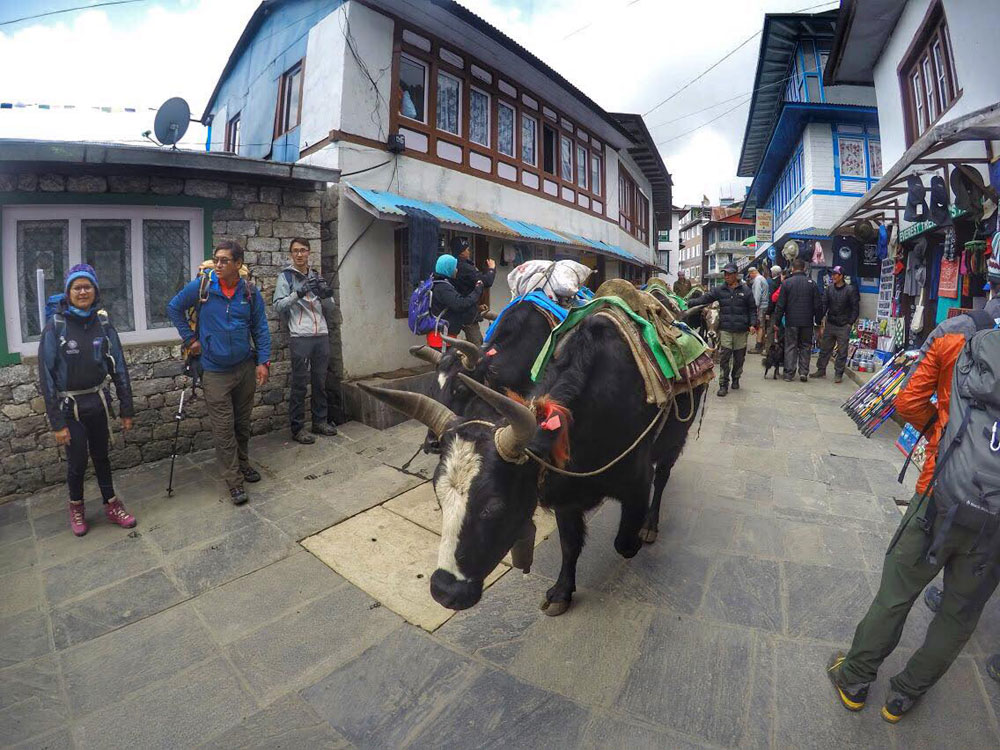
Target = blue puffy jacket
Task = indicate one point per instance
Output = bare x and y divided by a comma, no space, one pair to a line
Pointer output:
229,329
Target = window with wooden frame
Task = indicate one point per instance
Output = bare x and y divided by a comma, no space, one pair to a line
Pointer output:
529,139
462,114
505,129
927,75
232,143
633,207
479,117
290,99
449,103
412,88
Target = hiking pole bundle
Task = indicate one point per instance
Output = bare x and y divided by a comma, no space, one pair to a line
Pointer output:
875,402
191,369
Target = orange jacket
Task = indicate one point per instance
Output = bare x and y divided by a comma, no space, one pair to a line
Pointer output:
933,374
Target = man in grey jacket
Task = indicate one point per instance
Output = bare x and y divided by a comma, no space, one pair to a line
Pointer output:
302,298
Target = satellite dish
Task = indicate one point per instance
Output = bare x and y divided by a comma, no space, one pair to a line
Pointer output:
172,119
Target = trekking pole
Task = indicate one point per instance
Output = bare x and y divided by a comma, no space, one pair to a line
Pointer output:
191,370
173,452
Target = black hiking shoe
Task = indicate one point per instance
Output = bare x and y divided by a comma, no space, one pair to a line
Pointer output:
896,705
788,378
804,378
250,474
838,378
303,437
993,667
933,597
723,390
324,429
238,495
819,374
736,384
852,697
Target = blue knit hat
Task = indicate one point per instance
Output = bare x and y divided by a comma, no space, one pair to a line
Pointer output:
82,271
446,265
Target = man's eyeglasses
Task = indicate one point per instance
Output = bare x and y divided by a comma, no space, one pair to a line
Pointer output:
222,260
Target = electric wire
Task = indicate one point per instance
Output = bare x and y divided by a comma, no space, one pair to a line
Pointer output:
725,57
70,10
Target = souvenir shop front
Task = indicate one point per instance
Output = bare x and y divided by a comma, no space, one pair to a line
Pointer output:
931,224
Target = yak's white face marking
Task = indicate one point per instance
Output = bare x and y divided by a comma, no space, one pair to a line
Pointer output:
461,466
442,379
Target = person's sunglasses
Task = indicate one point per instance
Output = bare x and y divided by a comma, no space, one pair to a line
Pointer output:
222,260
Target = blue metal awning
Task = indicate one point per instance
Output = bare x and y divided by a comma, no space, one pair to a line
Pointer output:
392,204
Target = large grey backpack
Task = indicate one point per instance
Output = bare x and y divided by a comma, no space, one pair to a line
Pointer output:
966,480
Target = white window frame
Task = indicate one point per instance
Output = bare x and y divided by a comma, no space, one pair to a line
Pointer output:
75,215
489,116
426,67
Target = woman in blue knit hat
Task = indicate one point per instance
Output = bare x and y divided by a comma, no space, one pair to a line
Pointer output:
78,354
453,309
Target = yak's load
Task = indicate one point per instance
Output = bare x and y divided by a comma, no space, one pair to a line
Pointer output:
559,280
666,350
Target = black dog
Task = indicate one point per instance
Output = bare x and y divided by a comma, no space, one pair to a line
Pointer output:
775,358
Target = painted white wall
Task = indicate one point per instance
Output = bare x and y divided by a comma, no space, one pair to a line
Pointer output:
323,87
973,29
368,112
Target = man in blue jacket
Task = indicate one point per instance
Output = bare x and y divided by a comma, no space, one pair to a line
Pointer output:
234,344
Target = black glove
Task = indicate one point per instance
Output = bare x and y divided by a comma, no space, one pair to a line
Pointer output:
303,290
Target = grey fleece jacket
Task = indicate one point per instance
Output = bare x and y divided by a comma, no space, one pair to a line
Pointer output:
304,315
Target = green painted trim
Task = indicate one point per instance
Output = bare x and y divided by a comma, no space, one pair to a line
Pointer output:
6,357
207,216
124,199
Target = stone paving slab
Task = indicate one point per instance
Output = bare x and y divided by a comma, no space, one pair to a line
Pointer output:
208,625
391,558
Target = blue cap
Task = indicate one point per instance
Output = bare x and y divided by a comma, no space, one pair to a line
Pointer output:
446,265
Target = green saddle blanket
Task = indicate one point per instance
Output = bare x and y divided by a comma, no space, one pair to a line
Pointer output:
685,349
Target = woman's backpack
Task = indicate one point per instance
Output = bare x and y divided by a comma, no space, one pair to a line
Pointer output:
966,479
419,317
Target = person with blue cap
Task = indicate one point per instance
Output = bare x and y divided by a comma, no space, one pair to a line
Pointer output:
78,354
453,309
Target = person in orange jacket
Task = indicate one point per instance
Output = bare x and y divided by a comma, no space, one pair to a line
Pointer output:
907,570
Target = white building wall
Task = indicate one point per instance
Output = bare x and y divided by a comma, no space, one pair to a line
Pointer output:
973,29
818,137
323,87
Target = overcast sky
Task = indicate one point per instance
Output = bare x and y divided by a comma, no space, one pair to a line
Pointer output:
627,55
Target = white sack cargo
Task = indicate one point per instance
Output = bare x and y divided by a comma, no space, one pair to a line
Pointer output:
557,279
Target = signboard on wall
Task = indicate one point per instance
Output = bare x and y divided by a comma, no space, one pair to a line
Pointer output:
764,226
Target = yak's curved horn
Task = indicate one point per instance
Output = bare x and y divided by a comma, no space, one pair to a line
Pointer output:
434,414
513,438
471,354
489,315
691,311
426,353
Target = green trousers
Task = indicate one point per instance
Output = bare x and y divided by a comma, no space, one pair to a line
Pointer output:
905,573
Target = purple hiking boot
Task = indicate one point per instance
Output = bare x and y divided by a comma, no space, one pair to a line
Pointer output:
77,522
116,513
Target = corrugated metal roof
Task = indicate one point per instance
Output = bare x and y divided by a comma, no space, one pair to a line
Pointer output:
392,204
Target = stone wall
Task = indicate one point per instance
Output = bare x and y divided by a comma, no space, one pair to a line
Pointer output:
261,217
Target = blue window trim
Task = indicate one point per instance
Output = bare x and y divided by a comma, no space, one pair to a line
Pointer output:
789,191
843,183
797,88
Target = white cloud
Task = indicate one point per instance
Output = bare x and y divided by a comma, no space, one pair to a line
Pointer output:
102,57
626,55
